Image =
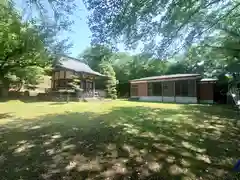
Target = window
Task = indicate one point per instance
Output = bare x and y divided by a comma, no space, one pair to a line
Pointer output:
89,85
150,89
191,88
168,88
155,89
185,88
62,83
62,73
134,90
56,74
69,74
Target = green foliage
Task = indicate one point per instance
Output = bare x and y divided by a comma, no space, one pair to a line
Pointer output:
94,55
139,66
75,83
125,66
176,24
111,82
52,14
219,53
30,77
206,33
22,52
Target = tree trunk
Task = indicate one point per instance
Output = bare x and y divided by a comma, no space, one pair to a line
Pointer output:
4,87
4,92
19,86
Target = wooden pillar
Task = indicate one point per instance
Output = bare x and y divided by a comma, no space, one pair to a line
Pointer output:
162,90
93,86
196,91
174,90
83,84
53,80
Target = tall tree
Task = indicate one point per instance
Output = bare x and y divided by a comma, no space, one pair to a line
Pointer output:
111,82
139,66
94,55
219,53
22,50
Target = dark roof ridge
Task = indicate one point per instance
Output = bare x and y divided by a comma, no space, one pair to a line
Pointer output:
73,58
76,65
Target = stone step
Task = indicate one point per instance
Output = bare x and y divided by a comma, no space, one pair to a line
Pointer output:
92,99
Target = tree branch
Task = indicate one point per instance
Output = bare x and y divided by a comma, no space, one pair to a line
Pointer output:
187,20
219,19
230,32
16,65
193,14
221,47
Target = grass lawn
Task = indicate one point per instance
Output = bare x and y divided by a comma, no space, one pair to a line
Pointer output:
117,140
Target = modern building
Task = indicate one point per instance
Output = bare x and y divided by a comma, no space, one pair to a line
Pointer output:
179,88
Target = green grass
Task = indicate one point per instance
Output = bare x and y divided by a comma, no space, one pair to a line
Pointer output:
117,140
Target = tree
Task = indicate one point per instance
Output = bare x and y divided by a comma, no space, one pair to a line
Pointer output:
53,14
94,55
111,82
138,66
165,26
218,54
125,66
21,50
75,83
129,67
28,77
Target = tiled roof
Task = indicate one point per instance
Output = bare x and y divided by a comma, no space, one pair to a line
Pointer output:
76,65
172,76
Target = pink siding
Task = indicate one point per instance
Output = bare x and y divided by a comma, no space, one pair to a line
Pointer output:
142,89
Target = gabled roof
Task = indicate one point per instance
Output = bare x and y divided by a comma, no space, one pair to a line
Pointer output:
76,65
168,77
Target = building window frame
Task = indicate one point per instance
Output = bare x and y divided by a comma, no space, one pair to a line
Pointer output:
185,88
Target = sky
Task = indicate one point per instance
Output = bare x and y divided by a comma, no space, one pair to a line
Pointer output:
80,34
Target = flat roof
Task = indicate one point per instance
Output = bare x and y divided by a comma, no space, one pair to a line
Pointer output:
166,77
208,79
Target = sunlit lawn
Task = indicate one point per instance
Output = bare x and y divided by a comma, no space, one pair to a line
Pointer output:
117,140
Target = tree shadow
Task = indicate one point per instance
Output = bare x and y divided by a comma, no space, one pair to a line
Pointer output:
32,99
5,115
125,143
222,111
58,103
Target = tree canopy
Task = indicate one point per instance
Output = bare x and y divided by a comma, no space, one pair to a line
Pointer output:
203,36
165,27
94,55
111,82
23,54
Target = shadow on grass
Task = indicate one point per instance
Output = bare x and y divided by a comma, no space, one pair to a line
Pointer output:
29,99
5,115
126,143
